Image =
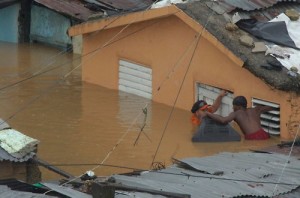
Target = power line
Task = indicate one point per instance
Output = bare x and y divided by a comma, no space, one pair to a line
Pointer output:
181,85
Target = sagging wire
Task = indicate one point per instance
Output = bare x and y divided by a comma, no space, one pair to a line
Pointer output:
110,40
181,85
40,72
123,136
170,73
53,68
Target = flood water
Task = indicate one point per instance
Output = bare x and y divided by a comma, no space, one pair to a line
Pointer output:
80,125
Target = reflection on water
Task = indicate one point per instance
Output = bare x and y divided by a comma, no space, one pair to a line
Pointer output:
80,125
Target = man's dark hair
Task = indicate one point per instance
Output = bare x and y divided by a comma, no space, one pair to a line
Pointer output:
197,105
240,101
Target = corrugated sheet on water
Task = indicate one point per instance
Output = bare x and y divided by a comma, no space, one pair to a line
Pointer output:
237,174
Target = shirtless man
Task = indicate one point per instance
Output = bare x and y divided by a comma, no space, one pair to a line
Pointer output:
247,118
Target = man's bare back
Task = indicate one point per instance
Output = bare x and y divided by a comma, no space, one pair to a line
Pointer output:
248,119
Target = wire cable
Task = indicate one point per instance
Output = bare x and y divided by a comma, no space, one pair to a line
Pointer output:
287,160
181,85
123,136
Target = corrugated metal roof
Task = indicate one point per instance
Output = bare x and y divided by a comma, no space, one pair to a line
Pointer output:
230,5
13,188
270,13
126,5
18,185
239,174
5,3
73,8
7,192
66,191
83,11
215,23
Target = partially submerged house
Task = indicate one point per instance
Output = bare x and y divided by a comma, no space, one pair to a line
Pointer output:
180,53
41,20
14,20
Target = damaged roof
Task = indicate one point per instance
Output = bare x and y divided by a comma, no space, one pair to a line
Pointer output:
73,8
214,16
230,5
241,174
83,10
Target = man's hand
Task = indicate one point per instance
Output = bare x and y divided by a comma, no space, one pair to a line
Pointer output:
223,93
200,114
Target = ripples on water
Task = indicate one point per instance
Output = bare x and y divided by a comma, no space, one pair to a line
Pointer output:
79,123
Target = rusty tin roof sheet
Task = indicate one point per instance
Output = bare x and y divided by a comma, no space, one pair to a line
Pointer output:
125,5
73,8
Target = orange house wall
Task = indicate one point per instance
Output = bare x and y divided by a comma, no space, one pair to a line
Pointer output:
160,44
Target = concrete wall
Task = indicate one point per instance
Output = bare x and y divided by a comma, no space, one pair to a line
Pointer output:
49,27
167,46
77,44
9,23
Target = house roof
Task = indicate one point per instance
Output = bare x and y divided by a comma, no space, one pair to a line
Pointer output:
250,5
5,3
215,23
214,15
241,174
73,8
122,5
83,10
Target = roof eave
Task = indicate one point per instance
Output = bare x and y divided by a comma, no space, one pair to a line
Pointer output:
121,20
136,17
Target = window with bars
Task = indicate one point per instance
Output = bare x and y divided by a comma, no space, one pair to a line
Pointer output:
210,93
270,120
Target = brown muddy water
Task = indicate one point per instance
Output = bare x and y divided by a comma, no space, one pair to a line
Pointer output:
80,125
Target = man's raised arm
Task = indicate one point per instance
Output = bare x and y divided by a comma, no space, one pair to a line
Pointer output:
221,119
